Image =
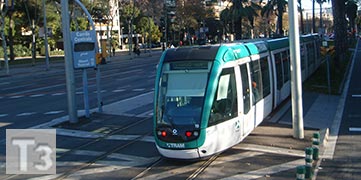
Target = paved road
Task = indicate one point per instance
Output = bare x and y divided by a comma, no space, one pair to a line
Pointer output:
32,96
346,162
118,143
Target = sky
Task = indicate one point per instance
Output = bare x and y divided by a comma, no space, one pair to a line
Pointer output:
307,5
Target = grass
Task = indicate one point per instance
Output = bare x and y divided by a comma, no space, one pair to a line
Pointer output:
318,82
25,61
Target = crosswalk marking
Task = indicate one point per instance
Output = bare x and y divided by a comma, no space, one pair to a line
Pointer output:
26,114
36,95
267,171
355,129
53,112
268,149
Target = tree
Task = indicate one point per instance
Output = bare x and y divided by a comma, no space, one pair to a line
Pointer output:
233,17
351,13
146,25
339,12
278,7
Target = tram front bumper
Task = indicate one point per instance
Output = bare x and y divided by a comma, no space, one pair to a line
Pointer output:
179,153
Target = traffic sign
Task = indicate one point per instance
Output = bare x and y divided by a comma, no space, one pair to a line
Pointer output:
83,44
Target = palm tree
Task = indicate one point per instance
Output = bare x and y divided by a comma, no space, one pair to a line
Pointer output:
239,10
279,6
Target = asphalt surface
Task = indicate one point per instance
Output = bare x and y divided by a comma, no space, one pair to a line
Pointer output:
118,144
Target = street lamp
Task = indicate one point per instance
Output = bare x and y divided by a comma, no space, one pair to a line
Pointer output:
321,26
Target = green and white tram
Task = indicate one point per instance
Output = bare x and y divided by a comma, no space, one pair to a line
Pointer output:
209,98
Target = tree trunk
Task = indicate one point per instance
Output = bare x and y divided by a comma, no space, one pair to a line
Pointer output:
338,8
238,28
11,37
280,21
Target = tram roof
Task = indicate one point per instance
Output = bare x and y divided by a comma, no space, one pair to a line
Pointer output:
278,43
203,53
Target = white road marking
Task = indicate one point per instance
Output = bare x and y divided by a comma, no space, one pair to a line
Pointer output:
53,112
268,149
37,89
103,166
77,133
131,137
118,90
37,95
81,92
86,134
137,90
267,171
3,115
4,124
352,129
356,95
58,94
102,91
15,97
4,83
26,114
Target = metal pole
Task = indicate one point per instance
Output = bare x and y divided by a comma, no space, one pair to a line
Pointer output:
4,43
85,93
46,38
129,36
313,17
296,80
33,49
108,40
150,38
69,71
321,27
99,95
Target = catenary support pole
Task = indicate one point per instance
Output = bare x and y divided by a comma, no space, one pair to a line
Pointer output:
296,79
69,70
46,38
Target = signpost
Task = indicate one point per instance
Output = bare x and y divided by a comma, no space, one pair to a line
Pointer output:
80,48
83,44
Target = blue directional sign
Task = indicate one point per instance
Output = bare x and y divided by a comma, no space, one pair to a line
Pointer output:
83,44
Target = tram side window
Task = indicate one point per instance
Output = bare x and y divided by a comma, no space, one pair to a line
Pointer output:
303,57
256,77
311,54
286,66
265,76
246,91
279,70
224,105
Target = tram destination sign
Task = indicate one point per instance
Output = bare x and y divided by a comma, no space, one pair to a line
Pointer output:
83,46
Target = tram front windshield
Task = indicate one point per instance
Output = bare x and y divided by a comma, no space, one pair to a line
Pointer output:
181,97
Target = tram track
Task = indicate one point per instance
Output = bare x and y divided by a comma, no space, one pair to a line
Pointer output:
197,169
105,154
101,156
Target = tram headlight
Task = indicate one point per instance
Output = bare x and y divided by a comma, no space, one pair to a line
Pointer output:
162,133
190,133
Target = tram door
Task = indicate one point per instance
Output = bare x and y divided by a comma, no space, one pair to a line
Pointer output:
248,119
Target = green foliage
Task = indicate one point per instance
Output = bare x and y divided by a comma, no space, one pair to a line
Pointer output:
146,25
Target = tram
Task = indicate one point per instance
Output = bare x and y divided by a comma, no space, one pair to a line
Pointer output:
209,98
